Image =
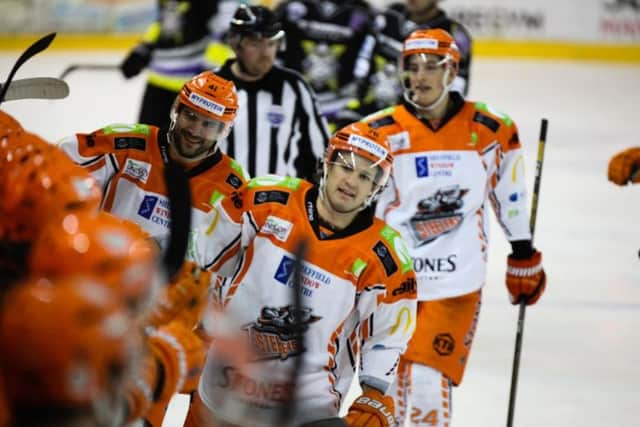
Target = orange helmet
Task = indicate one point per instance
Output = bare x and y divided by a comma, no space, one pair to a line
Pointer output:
41,185
361,139
116,250
8,123
65,343
433,41
209,95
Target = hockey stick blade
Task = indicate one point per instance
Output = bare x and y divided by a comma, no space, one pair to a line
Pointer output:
88,67
32,50
37,88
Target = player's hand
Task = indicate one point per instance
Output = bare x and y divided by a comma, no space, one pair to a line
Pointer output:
624,167
136,61
526,278
184,296
371,409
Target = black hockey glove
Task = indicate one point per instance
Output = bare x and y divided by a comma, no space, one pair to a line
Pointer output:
136,61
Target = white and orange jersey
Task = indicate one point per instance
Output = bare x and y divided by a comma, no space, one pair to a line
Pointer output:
128,164
358,296
442,180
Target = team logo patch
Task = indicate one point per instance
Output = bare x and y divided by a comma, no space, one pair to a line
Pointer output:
147,206
277,227
436,215
275,196
234,181
129,142
311,278
422,166
399,141
385,257
276,334
275,115
444,344
137,170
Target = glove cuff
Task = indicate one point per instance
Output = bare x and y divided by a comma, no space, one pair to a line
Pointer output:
525,267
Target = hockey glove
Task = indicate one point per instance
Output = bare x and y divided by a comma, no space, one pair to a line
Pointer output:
136,61
526,278
184,298
371,409
624,167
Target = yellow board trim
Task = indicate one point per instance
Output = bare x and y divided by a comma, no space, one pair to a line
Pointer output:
483,48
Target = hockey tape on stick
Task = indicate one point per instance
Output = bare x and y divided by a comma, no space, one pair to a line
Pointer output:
36,47
37,88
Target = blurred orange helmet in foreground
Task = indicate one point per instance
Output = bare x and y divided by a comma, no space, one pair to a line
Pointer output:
41,183
116,250
65,343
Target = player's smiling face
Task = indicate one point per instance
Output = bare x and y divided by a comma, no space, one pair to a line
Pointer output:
426,73
195,135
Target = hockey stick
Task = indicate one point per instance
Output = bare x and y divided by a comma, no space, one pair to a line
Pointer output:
36,47
179,195
523,305
296,296
37,88
88,67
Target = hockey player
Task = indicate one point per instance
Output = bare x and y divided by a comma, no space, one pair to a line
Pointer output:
624,167
119,253
357,289
38,184
279,129
185,40
128,160
329,42
451,157
67,349
392,26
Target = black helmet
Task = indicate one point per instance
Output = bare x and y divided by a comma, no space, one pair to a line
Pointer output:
256,21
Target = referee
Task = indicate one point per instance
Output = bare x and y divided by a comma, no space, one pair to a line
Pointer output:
278,129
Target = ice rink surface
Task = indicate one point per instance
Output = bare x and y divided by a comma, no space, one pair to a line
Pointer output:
580,362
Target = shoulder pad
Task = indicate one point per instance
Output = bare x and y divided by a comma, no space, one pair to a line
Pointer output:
124,137
287,182
487,111
395,241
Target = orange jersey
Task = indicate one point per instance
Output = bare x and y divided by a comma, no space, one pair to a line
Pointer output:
127,162
442,180
358,296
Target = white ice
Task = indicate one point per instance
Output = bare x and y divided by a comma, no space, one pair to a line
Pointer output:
580,364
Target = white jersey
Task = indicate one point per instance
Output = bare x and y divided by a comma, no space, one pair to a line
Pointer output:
358,297
442,180
127,163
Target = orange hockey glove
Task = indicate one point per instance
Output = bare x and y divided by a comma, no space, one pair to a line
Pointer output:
526,278
371,409
185,297
139,390
624,167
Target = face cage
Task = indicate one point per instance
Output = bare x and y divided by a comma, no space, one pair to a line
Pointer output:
406,86
380,182
221,130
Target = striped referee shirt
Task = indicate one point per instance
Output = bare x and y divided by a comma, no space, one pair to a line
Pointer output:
278,128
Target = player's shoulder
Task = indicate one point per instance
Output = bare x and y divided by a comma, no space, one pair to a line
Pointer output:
489,118
389,248
273,190
118,137
384,118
